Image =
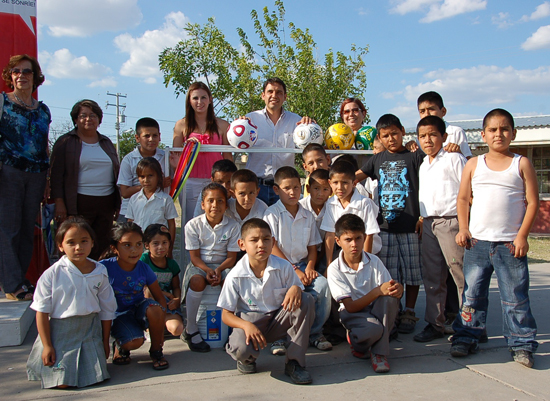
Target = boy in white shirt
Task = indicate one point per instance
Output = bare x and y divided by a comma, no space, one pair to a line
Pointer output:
245,204
439,176
262,300
348,200
368,297
296,239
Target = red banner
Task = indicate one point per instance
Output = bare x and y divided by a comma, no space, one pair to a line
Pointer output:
18,32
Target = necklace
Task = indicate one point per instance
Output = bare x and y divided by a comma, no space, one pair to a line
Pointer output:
23,103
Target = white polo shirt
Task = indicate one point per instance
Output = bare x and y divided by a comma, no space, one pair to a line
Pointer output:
440,183
344,282
127,174
458,136
242,291
63,291
158,209
306,203
213,242
272,136
256,211
293,234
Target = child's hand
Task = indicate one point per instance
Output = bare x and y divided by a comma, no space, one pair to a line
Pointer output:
167,181
452,148
521,246
411,146
173,304
218,278
293,298
418,228
48,356
253,334
311,274
463,238
395,289
210,276
302,276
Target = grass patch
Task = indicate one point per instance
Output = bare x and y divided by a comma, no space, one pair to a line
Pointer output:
539,250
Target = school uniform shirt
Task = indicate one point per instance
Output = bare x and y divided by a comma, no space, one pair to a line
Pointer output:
397,175
439,184
213,242
271,135
242,291
293,234
158,209
344,282
128,286
256,211
128,176
458,136
306,203
64,291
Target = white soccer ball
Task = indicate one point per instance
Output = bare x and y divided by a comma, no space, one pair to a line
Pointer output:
304,134
242,134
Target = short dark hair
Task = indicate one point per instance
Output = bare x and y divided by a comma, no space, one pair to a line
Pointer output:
386,121
433,121
431,97
349,223
75,111
73,222
153,164
37,76
146,122
498,113
342,167
313,147
274,81
284,173
214,186
252,224
155,229
319,174
245,176
223,166
350,159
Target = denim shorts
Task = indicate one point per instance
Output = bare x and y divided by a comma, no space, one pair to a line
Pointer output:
131,324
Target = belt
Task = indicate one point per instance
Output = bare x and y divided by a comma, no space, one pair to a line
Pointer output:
267,182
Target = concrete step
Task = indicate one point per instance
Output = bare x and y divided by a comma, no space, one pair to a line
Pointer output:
16,317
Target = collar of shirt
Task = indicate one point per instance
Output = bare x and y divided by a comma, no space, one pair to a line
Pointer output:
353,202
301,213
242,268
281,117
344,268
437,157
70,266
141,195
220,224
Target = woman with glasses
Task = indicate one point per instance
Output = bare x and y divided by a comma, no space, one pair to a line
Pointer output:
353,113
84,172
24,126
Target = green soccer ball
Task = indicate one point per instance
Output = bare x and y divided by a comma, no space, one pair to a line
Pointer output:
365,137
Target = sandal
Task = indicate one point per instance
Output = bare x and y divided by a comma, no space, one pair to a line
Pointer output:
159,363
123,357
25,289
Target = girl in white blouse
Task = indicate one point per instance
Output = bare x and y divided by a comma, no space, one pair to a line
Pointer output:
74,305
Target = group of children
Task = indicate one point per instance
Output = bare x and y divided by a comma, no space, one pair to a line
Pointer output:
282,267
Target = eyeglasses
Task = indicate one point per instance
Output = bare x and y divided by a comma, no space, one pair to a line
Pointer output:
91,116
24,71
354,111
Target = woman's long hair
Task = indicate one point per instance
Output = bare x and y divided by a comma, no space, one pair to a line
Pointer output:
190,120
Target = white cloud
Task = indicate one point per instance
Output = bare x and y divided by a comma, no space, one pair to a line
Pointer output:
144,50
87,17
363,11
539,40
502,20
107,82
542,11
63,64
438,9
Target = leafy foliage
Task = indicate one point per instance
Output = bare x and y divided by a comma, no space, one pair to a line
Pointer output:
235,76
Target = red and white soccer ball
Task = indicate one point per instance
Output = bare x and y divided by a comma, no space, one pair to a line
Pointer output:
242,134
304,134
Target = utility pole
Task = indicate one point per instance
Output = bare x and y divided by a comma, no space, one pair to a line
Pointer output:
120,117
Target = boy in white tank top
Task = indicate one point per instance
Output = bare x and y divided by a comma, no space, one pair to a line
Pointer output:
504,207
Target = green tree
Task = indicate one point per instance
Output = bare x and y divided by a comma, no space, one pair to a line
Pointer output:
235,76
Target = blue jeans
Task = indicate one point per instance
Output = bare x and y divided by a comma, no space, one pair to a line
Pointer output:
131,324
321,294
268,195
480,260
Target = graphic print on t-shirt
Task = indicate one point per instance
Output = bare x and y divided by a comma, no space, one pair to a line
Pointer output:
393,188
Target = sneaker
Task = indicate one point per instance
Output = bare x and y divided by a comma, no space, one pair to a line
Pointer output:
449,324
407,322
428,334
202,346
246,368
297,373
357,354
379,363
523,357
321,343
278,348
463,349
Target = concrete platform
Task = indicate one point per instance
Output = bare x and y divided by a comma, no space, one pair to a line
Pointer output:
418,371
16,317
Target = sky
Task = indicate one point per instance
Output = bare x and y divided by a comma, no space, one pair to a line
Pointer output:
478,54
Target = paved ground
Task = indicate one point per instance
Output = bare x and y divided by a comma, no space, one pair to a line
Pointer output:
418,371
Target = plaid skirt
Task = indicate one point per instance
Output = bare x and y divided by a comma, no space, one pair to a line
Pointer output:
79,354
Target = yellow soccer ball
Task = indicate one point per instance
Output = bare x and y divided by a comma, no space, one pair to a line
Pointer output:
339,136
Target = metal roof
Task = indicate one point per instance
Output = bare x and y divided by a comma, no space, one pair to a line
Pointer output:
521,122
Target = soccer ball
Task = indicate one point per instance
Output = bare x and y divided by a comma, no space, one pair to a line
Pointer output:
304,134
242,134
339,136
364,138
